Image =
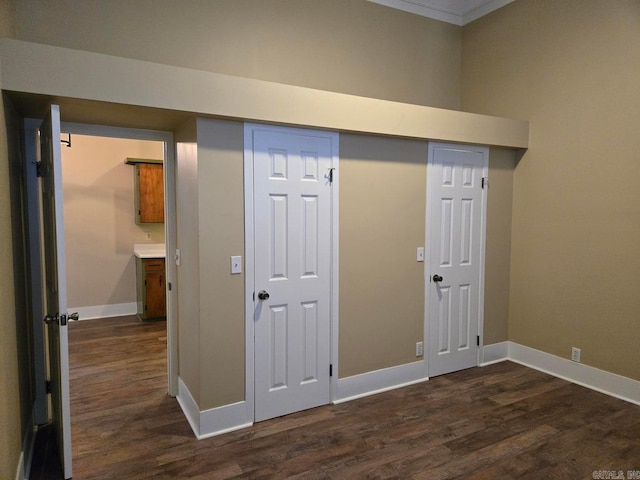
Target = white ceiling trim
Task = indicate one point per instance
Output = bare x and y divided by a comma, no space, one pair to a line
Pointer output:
457,12
483,9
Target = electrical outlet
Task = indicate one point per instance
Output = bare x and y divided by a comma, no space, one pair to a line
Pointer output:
575,354
148,235
419,349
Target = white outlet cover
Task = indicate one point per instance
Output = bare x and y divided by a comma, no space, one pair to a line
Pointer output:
420,254
575,354
236,264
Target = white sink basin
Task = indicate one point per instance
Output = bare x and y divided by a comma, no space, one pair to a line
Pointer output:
149,250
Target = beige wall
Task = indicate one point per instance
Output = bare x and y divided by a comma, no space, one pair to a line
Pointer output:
210,193
221,224
354,46
10,417
382,222
99,218
497,269
576,216
188,272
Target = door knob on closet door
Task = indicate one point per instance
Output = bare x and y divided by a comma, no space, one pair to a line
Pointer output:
437,278
263,295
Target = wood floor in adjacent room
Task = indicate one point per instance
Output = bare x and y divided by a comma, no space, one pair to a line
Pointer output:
502,421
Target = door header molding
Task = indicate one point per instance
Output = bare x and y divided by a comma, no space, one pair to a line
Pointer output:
74,74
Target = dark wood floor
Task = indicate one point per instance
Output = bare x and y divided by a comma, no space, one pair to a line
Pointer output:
500,422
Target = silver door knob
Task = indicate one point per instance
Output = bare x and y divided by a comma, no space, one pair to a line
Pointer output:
263,295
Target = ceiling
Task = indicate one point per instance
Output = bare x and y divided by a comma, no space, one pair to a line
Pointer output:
458,12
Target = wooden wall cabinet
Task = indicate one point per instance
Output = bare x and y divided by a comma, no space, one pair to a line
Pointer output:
151,279
149,190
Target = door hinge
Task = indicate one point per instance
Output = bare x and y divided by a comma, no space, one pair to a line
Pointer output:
67,142
48,386
485,182
39,169
478,340
169,286
331,174
331,370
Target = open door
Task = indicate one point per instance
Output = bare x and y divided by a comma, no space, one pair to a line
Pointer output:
55,289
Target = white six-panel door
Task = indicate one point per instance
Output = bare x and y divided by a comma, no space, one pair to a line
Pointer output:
292,265
455,229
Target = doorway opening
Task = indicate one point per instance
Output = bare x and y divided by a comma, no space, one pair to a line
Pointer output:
113,352
92,193
100,225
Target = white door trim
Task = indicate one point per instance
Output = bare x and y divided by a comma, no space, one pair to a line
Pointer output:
169,225
431,204
249,128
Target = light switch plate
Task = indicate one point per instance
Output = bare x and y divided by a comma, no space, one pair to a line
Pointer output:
420,254
236,264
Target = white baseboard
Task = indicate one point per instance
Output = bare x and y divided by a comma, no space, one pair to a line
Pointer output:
225,419
104,311
189,407
494,353
378,381
20,469
215,421
601,381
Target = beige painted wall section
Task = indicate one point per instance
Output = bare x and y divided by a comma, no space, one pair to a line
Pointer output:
572,68
10,419
221,235
210,192
99,218
188,272
354,46
502,164
382,222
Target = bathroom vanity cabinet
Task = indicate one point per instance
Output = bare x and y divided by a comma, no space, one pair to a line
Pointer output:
151,281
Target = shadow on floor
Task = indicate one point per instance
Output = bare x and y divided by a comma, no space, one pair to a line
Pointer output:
46,461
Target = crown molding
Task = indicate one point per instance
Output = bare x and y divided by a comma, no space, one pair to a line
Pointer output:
457,13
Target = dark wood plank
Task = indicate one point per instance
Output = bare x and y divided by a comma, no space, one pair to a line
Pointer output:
502,421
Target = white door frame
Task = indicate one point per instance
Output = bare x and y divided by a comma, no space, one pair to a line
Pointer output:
170,230
249,239
431,204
